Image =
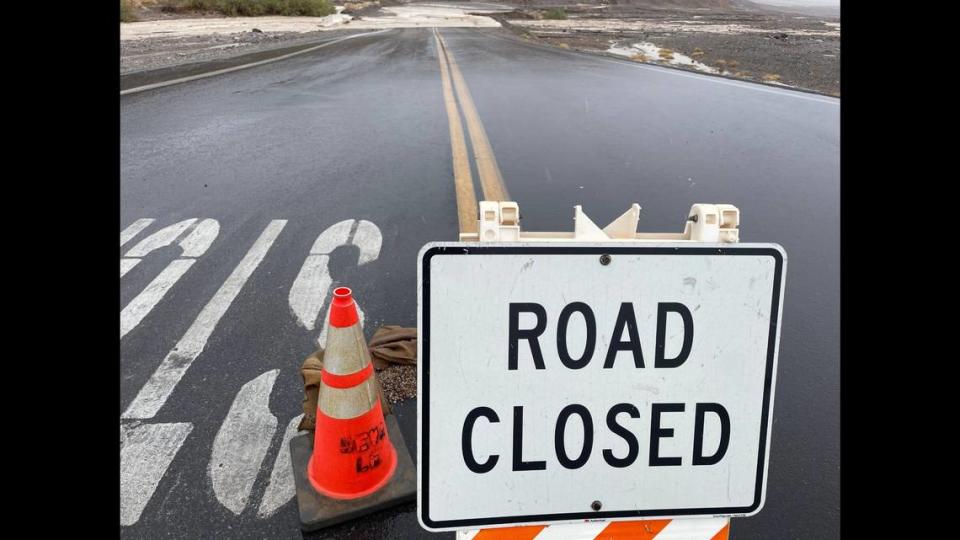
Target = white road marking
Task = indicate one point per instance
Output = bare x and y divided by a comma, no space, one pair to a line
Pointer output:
369,240
156,391
242,443
134,229
336,235
127,264
281,488
197,242
163,237
684,529
145,453
310,291
139,307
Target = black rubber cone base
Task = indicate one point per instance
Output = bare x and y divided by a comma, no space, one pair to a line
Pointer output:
318,511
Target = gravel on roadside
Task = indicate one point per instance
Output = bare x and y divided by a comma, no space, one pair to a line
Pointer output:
398,382
154,53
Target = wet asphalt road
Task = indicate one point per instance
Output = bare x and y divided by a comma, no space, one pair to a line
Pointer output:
358,131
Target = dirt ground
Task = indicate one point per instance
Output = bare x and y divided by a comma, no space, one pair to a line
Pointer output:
161,39
159,52
761,46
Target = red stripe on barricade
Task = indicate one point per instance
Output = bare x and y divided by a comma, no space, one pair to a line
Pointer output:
639,530
722,534
510,533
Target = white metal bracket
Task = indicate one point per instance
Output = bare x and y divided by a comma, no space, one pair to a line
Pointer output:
500,222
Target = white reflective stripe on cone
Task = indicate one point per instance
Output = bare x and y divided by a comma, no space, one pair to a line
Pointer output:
346,403
346,351
346,354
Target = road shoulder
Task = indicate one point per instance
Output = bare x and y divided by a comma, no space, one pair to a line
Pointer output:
150,77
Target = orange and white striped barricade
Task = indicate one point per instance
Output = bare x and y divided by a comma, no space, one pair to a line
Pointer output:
503,254
650,529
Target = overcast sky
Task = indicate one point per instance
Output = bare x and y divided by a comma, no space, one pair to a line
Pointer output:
800,2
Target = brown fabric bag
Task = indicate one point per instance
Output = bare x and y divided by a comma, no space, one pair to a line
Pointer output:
310,371
393,345
390,345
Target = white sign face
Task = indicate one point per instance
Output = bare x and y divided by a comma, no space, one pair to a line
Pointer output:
571,382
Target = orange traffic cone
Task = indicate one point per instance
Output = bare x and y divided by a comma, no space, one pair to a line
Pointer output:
352,453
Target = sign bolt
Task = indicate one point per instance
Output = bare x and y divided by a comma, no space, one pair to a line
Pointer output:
604,259
595,505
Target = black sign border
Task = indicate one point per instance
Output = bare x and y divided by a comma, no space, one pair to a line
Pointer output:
424,399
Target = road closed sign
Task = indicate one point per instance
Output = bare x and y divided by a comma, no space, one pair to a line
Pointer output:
571,382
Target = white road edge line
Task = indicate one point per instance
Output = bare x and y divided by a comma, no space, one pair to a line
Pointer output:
242,66
757,87
134,229
161,384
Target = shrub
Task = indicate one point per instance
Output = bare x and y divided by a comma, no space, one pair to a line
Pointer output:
557,14
127,13
255,8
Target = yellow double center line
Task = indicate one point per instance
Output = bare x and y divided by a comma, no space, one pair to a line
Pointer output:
491,181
